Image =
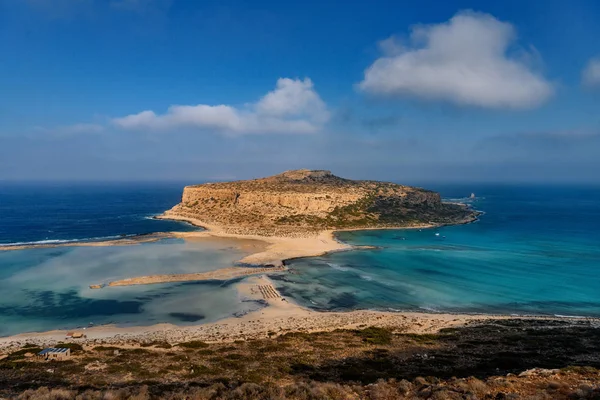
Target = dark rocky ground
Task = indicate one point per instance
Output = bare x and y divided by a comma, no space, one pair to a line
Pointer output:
476,362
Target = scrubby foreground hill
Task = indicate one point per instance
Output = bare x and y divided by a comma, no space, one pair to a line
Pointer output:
498,359
300,202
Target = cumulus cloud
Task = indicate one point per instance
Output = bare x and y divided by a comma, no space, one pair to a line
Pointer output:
293,107
591,73
462,61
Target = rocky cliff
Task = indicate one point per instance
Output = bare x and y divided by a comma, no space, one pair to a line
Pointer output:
301,202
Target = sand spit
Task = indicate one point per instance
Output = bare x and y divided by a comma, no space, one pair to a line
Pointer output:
278,248
219,274
270,255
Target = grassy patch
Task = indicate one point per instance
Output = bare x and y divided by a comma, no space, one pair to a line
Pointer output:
21,353
583,370
199,370
137,351
425,338
374,335
271,348
157,344
234,356
106,348
194,344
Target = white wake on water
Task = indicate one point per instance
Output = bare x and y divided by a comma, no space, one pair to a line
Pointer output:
59,241
338,267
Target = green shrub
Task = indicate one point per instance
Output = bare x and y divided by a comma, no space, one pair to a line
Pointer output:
106,348
157,344
374,335
137,351
425,338
194,344
199,370
21,353
583,370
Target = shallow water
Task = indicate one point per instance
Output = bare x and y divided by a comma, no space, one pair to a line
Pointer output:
536,250
44,289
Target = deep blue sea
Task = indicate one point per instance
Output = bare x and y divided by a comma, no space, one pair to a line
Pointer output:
46,212
536,250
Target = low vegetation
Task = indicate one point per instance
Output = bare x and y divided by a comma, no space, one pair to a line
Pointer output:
194,344
478,362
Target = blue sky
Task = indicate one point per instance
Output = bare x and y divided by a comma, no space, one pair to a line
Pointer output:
411,91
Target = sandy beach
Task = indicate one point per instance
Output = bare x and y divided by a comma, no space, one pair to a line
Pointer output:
278,248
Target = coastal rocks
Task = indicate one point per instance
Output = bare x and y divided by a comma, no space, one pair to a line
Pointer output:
302,202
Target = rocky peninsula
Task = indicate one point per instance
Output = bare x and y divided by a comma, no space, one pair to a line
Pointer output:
303,203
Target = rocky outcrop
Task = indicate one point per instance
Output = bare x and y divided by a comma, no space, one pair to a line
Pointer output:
301,202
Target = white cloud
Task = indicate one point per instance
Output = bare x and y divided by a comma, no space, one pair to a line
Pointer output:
591,73
463,61
293,107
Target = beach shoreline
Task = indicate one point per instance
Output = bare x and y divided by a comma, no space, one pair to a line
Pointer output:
279,315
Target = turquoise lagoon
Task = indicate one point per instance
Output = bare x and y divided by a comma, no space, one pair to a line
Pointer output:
536,250
48,288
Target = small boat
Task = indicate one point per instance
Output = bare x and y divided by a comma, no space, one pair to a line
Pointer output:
437,234
472,196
